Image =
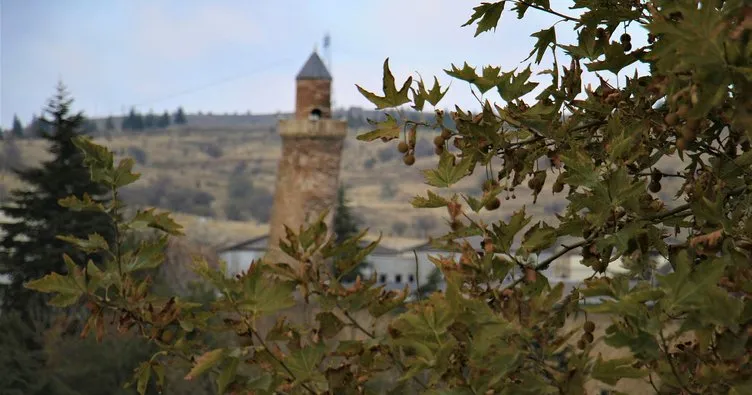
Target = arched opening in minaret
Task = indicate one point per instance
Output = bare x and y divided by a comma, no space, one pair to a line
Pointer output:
315,114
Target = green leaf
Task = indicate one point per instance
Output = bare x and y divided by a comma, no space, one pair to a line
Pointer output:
486,82
392,97
67,288
504,233
448,173
205,362
86,204
388,130
94,243
261,296
513,87
467,73
304,363
123,175
142,376
98,158
487,15
433,201
611,371
163,222
149,255
538,238
435,94
159,371
615,61
546,38
329,324
227,375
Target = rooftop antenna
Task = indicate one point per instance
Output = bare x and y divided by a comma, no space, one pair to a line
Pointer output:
328,56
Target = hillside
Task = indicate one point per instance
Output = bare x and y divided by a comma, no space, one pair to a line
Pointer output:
193,170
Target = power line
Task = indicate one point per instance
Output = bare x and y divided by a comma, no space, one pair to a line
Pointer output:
209,85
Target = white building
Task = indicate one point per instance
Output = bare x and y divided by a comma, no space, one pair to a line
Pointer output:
395,264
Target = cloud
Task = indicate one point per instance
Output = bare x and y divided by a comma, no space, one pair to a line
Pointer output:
199,30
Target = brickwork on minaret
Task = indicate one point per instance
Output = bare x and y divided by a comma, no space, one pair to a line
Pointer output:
308,171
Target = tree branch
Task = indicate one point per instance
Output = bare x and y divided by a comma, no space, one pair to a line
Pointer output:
548,10
399,363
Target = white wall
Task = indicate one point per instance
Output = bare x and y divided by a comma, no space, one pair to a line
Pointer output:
238,261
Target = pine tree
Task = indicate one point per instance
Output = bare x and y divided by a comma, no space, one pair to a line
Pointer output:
129,120
109,124
138,121
29,247
164,120
179,117
150,121
346,225
17,129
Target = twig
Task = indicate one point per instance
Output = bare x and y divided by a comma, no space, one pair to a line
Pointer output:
263,344
686,206
652,384
548,10
373,336
671,363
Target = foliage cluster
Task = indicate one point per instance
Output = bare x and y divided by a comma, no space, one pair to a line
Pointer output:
499,326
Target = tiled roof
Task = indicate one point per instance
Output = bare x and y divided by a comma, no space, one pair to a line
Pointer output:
314,69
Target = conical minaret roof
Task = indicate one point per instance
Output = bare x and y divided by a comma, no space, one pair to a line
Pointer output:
314,69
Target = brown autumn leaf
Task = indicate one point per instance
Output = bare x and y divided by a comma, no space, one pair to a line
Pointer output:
709,239
530,275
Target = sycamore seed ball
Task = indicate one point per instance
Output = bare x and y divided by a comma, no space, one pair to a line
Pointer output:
493,204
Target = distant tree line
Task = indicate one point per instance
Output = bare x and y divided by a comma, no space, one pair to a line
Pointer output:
136,121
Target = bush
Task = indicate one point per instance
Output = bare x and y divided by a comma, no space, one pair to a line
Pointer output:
138,154
213,150
499,326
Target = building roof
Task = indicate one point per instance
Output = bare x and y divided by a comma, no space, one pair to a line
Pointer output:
314,69
260,243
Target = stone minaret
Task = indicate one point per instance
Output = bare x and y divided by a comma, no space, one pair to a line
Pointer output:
308,172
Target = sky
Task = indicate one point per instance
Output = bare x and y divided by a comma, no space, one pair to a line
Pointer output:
226,56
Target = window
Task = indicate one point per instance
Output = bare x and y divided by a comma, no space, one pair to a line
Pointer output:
382,278
315,115
397,278
410,278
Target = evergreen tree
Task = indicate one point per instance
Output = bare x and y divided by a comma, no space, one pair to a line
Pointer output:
346,225
17,129
109,124
180,117
164,120
150,121
129,120
138,121
29,247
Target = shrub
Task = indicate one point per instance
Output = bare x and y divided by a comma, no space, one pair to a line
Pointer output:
213,150
138,154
